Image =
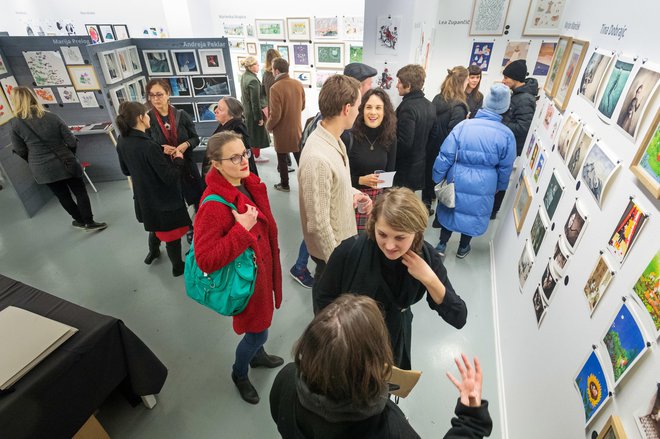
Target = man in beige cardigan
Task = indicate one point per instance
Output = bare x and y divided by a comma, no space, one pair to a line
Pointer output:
327,198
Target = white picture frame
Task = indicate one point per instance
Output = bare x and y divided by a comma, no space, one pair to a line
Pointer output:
110,67
544,17
185,62
212,61
270,29
329,55
158,62
299,29
118,95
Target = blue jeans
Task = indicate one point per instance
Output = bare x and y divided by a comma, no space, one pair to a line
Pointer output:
303,257
247,348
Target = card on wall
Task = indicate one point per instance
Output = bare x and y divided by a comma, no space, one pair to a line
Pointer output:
8,85
45,96
72,55
592,77
88,99
68,95
47,68
641,90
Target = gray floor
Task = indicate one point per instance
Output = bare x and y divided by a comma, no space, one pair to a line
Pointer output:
104,272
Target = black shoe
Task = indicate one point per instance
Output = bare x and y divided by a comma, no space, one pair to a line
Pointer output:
78,224
281,187
246,389
154,248
94,226
262,359
152,256
428,205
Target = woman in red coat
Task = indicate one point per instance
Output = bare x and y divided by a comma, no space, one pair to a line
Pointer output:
221,234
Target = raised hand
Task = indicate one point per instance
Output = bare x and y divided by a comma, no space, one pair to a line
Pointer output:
469,386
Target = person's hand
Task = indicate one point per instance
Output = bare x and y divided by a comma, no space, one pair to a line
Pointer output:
361,198
169,150
470,385
370,180
417,267
260,122
177,154
247,219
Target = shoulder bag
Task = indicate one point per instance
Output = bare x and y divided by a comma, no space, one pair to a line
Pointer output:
444,191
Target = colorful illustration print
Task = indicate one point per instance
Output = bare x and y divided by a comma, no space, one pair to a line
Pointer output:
626,231
647,289
624,342
592,386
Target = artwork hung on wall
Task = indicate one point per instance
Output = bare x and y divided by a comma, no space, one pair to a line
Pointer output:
569,75
157,62
213,61
121,31
548,115
118,96
8,85
326,27
385,77
72,55
284,52
616,82
322,76
387,36
567,134
557,65
301,54
125,66
515,50
578,152
208,86
537,233
355,52
329,55
3,65
84,77
251,48
88,99
530,144
642,88
647,291
560,258
47,68
539,167
647,417
488,17
552,195
250,30
535,154
272,29
480,55
539,306
626,231
522,202
597,170
132,91
298,29
6,113
45,95
93,32
592,78
597,283
185,62
525,264
304,77
180,86
188,108
544,58
548,282
575,226
233,29
134,60
625,343
352,28
237,44
110,66
142,88
239,62
592,385
206,111
544,17
107,33
613,429
646,163
264,48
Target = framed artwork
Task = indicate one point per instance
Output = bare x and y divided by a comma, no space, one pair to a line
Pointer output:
132,91
544,58
597,170
552,195
301,54
3,65
8,85
515,50
233,29
647,291
47,68
180,86
647,417
616,83
299,29
45,95
646,163
387,38
237,44
68,95
354,52
110,66
118,95
239,61
263,49
124,60
548,116
626,231
557,65
575,56
488,17
592,385
208,86
94,33
272,29
185,62
326,27
157,62
567,134
251,48
625,343
213,61
592,77
540,308
72,55
548,281
142,87
329,55
642,88
321,76
537,233
531,143
284,52
544,17
613,429
578,152
88,99
188,107
6,113
134,60
121,31
560,258
525,263
84,78
206,111
249,30
597,283
576,224
522,202
352,28
107,34
304,77
535,154
539,167
480,55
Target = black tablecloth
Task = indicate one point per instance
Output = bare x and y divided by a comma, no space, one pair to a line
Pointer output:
56,397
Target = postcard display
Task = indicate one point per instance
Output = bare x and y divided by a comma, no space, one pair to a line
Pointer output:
578,307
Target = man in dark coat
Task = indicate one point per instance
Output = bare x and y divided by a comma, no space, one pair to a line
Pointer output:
415,123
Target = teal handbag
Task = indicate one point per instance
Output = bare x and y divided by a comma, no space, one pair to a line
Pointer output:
228,290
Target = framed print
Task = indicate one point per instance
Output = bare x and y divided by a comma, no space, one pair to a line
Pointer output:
185,62
322,75
134,59
354,52
304,77
132,92
188,107
522,202
213,61
613,429
647,417
544,17
544,58
626,231
249,30
298,29
3,65
94,33
646,163
597,283
592,77
208,86
329,55
525,263
110,66
352,28
488,17
576,223
560,258
121,31
578,151
515,50
387,38
548,282
83,77
157,62
72,55
180,86
271,29
206,111
537,233
47,68
284,52
88,99
597,170
539,167
45,95
616,83
535,154
8,85
540,307
239,62
301,54
107,34
118,96
68,95
480,55
263,49
567,134
575,56
142,87
124,60
6,113
557,65
642,88
552,195
592,385
251,48
237,44
233,29
326,27
647,291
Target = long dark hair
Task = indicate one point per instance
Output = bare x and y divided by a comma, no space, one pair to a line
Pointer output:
388,126
128,114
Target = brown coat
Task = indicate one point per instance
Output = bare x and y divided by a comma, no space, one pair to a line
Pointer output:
286,103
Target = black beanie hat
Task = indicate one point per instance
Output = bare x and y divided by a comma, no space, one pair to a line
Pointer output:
516,70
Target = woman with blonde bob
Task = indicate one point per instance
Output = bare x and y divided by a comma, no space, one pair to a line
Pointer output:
393,264
45,142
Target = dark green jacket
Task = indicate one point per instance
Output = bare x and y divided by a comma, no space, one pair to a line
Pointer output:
253,99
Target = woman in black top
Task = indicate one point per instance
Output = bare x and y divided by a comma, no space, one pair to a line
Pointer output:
474,98
371,145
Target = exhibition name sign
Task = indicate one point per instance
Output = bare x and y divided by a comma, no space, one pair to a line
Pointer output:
203,44
240,17
71,41
572,25
464,21
613,30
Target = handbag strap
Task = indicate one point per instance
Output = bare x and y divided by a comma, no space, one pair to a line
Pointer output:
25,124
218,198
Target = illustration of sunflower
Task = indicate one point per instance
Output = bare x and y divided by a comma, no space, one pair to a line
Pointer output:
594,390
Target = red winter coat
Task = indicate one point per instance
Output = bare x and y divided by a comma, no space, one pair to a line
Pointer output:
219,239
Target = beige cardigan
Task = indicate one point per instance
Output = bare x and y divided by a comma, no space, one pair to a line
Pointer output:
325,194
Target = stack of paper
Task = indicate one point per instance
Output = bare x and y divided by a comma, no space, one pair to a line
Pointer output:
26,339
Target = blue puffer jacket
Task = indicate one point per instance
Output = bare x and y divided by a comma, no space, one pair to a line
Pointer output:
486,150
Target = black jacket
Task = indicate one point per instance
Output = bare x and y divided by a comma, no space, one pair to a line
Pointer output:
356,266
447,116
521,111
415,121
475,101
156,182
236,125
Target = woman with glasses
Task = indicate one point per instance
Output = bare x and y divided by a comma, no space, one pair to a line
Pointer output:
222,234
159,203
254,101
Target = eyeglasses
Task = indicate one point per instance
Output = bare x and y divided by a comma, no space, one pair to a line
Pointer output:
156,95
238,158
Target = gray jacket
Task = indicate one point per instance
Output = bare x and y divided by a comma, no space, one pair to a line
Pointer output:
45,166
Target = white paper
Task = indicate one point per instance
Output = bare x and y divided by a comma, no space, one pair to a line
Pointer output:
387,178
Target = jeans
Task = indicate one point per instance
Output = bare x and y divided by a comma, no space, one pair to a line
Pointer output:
445,234
283,166
303,257
247,348
82,211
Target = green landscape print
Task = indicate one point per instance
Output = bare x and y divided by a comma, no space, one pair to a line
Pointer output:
624,342
651,157
647,289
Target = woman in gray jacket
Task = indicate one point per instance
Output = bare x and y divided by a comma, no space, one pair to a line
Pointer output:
45,142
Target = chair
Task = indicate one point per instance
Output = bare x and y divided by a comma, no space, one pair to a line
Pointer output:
85,165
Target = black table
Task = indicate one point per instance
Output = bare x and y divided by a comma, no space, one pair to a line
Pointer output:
56,397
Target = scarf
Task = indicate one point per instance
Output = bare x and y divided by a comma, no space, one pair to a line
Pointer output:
171,134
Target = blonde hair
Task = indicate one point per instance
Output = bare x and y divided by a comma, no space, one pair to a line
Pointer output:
453,87
26,104
271,56
249,62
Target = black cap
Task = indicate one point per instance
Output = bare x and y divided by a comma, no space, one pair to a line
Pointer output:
359,71
516,70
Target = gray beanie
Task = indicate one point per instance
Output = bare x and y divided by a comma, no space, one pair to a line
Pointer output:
499,98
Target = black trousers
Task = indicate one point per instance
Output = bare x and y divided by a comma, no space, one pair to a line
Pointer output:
320,268
445,234
499,197
428,193
283,167
80,209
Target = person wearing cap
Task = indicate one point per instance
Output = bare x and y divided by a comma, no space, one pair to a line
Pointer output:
477,157
523,101
362,73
